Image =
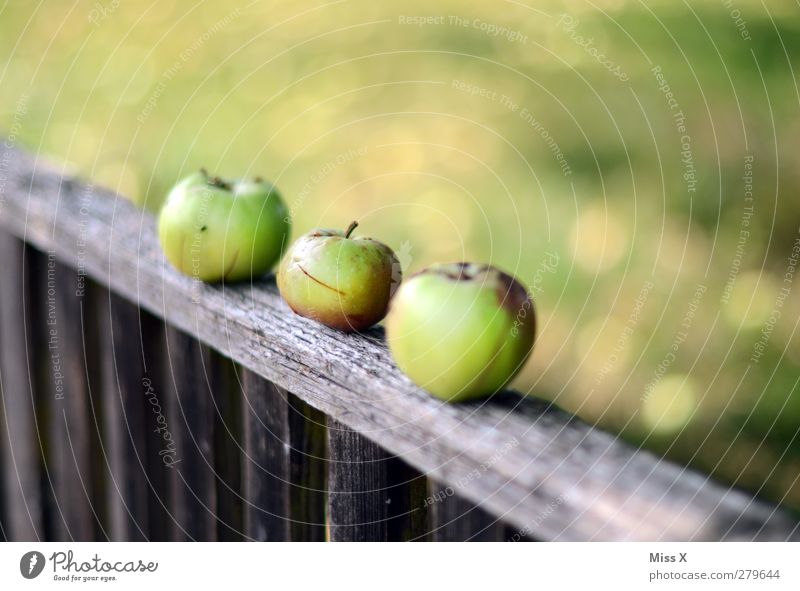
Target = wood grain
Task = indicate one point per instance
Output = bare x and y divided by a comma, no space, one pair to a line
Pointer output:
152,398
532,457
409,517
358,487
266,471
23,520
228,445
124,433
190,422
284,463
372,495
457,520
71,426
308,471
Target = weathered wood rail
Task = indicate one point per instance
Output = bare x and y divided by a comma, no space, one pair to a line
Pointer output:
138,404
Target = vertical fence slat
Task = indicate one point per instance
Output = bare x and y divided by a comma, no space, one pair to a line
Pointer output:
193,490
154,399
124,434
308,469
222,377
5,468
408,511
284,473
40,367
22,463
266,471
358,487
454,519
5,471
93,323
72,429
373,496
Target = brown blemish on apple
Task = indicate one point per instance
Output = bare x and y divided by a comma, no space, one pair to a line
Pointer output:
322,283
455,274
320,233
471,271
460,271
510,293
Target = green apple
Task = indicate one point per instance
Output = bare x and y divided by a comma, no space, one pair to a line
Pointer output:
338,280
214,230
461,330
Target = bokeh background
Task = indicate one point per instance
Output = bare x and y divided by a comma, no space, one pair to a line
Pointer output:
655,231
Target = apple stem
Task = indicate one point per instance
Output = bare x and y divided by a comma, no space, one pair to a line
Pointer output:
219,183
353,225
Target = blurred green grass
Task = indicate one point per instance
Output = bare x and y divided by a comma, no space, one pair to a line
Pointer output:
356,115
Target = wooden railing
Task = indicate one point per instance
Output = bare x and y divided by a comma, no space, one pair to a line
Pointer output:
140,405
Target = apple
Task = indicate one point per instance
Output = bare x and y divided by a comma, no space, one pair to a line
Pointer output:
461,330
341,281
214,230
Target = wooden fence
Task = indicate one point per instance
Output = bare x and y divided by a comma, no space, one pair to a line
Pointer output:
138,404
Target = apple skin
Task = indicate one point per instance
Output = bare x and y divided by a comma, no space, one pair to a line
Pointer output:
216,230
461,330
345,283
